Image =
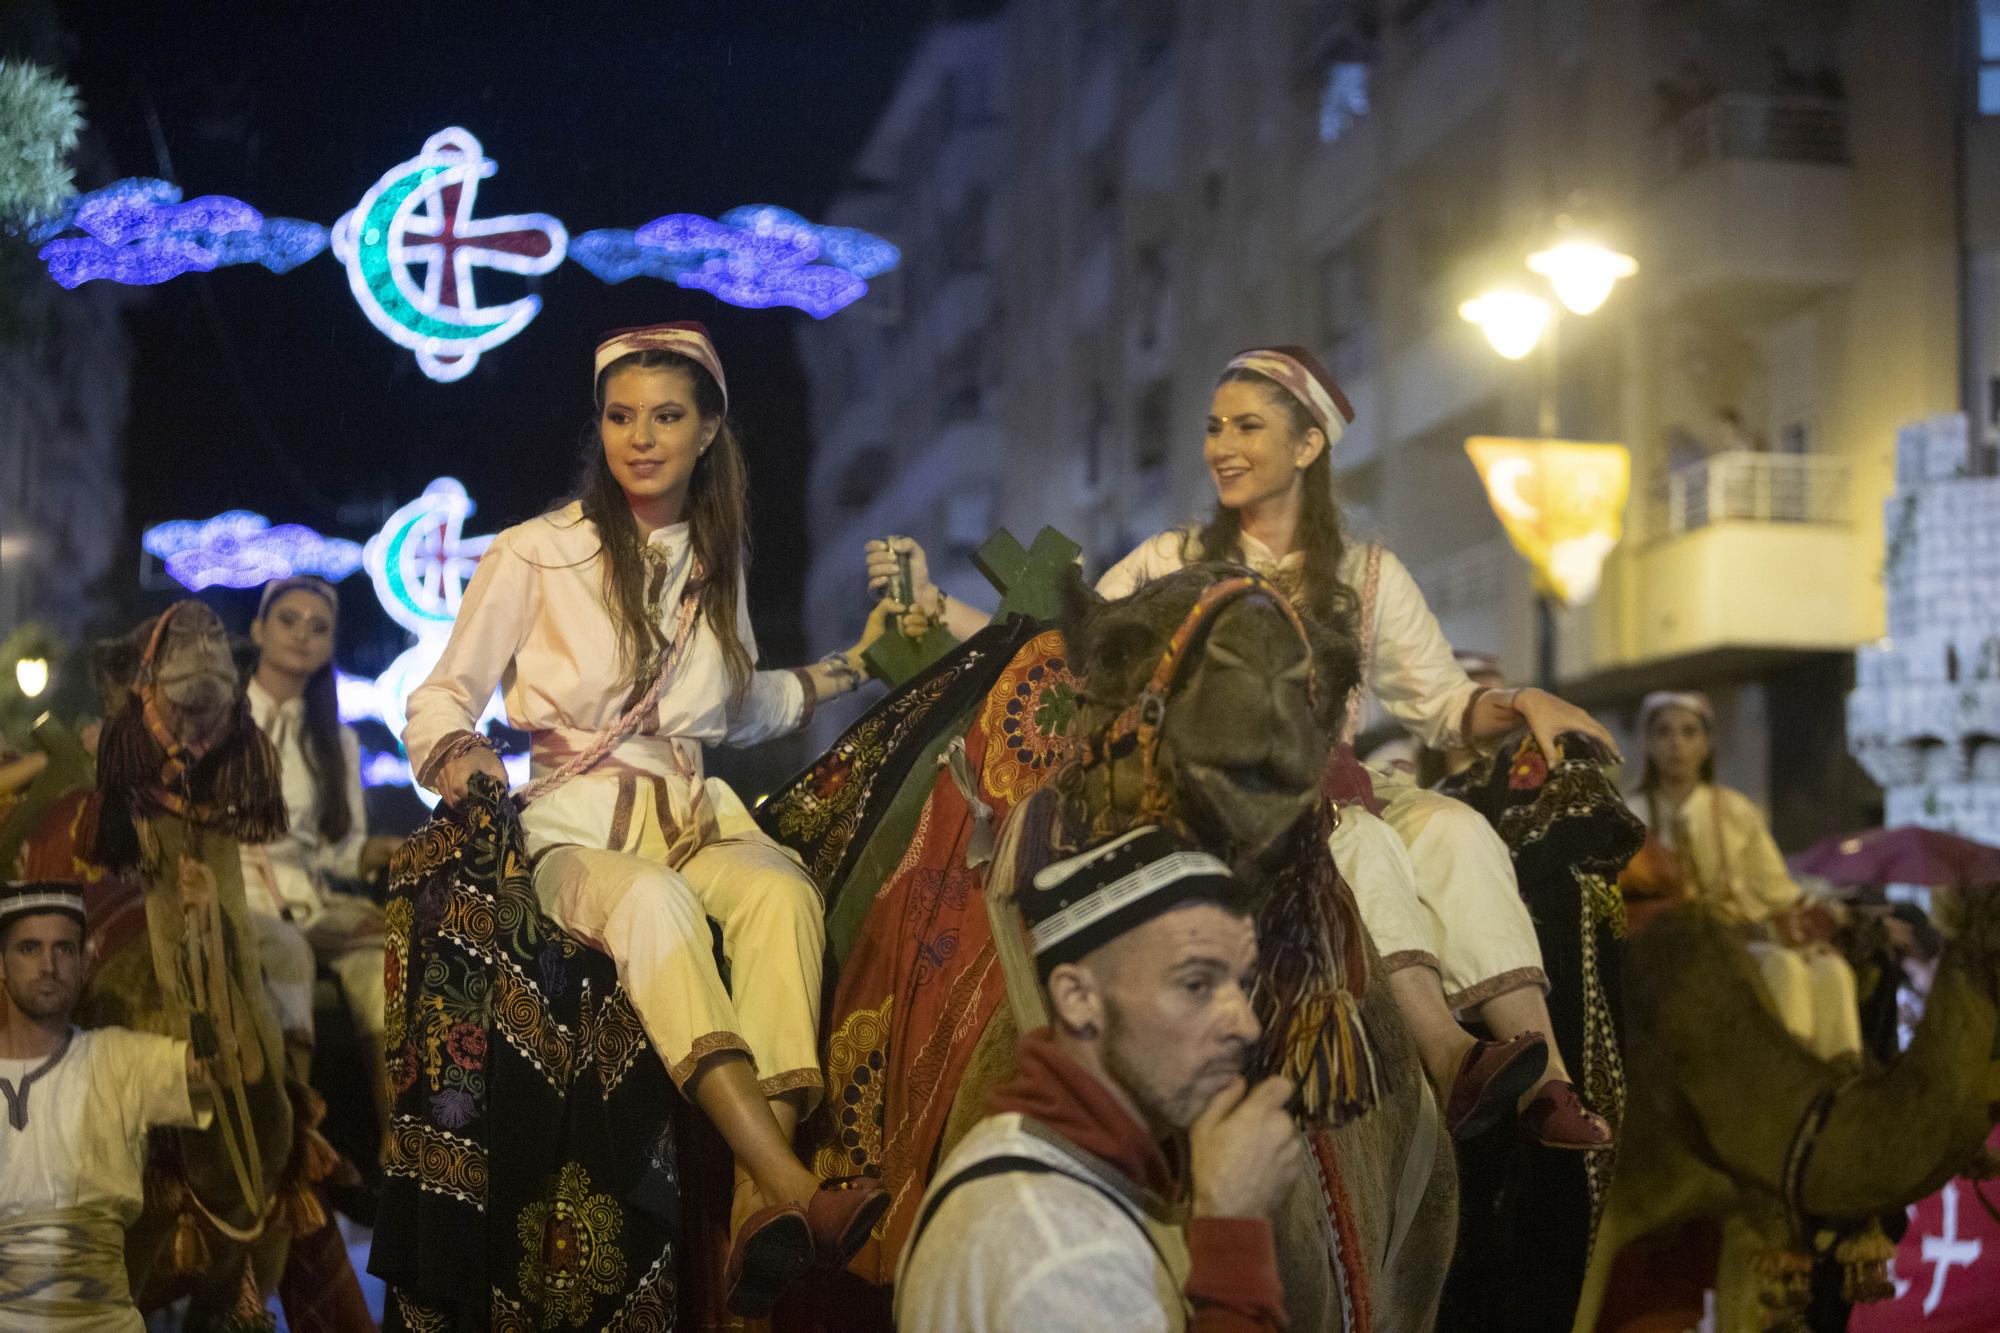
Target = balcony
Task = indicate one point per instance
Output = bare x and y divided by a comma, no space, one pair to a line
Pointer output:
1752,211
1742,556
1750,488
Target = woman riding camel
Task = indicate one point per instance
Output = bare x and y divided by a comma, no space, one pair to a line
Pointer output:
617,625
1709,843
1439,895
300,917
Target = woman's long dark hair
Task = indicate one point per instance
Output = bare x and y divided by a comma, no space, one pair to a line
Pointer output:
1320,539
718,511
326,757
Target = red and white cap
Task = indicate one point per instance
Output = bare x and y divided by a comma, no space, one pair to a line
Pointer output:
687,337
1300,374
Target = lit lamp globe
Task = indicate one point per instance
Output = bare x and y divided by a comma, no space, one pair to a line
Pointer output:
1582,272
1512,321
31,674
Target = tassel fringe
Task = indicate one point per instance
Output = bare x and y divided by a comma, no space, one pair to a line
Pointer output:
1315,972
190,1246
1864,1266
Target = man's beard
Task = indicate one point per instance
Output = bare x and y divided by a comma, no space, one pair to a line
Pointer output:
1164,1107
32,1005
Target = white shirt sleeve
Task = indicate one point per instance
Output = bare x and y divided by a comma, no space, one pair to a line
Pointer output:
498,606
1413,671
775,702
1158,555
151,1074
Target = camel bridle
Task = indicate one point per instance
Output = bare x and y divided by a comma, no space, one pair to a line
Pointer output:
1137,725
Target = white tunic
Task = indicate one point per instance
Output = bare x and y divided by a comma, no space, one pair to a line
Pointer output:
1409,666
73,1179
534,620
290,876
1043,1253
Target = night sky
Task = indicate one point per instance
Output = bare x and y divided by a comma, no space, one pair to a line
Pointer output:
274,393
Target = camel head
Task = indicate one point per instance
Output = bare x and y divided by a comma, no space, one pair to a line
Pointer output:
1242,740
178,736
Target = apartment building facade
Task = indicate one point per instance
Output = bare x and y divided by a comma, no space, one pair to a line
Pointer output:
1174,181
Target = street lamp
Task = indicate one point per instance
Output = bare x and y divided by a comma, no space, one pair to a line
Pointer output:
1582,272
1512,320
32,675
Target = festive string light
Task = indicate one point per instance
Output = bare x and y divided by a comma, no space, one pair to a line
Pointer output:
419,217
757,256
240,549
420,213
861,253
419,563
137,231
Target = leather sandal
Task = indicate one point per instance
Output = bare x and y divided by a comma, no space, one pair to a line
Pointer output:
1557,1118
841,1214
774,1250
1491,1079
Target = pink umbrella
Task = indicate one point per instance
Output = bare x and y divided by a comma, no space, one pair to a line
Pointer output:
1908,855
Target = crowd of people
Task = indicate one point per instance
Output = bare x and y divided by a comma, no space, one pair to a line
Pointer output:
1126,1177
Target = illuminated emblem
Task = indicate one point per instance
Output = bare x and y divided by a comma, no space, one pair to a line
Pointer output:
420,215
413,248
1562,503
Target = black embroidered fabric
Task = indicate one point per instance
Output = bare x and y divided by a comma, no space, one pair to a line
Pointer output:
532,1178
1529,1212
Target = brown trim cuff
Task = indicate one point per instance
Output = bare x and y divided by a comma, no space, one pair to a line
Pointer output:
1519,978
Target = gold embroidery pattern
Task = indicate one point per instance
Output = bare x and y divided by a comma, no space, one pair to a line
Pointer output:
613,1036
1027,718
438,1161
569,1254
396,918
419,1318
856,1054
650,1307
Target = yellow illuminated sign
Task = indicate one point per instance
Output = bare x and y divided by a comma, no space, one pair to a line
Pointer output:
1562,503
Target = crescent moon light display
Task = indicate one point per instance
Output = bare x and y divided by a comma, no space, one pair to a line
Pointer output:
412,248
421,213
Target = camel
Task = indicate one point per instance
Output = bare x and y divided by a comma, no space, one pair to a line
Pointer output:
1728,1117
1242,750
182,774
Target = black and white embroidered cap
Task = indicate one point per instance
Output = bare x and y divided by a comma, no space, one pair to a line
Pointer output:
26,898
1085,901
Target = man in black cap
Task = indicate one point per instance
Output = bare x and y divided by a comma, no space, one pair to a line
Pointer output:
73,1138
1068,1206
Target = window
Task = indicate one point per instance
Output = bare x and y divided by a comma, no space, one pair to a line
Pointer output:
1347,306
1989,57
1343,98
1096,433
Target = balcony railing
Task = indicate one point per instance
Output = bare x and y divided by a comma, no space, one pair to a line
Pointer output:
1749,488
1754,128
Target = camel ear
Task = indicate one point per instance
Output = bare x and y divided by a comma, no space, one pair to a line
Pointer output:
113,664
1080,602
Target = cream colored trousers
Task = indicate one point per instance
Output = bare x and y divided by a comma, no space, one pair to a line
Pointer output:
1436,887
652,919
347,936
1814,992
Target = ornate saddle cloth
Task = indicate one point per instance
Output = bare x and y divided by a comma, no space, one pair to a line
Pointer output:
532,1179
